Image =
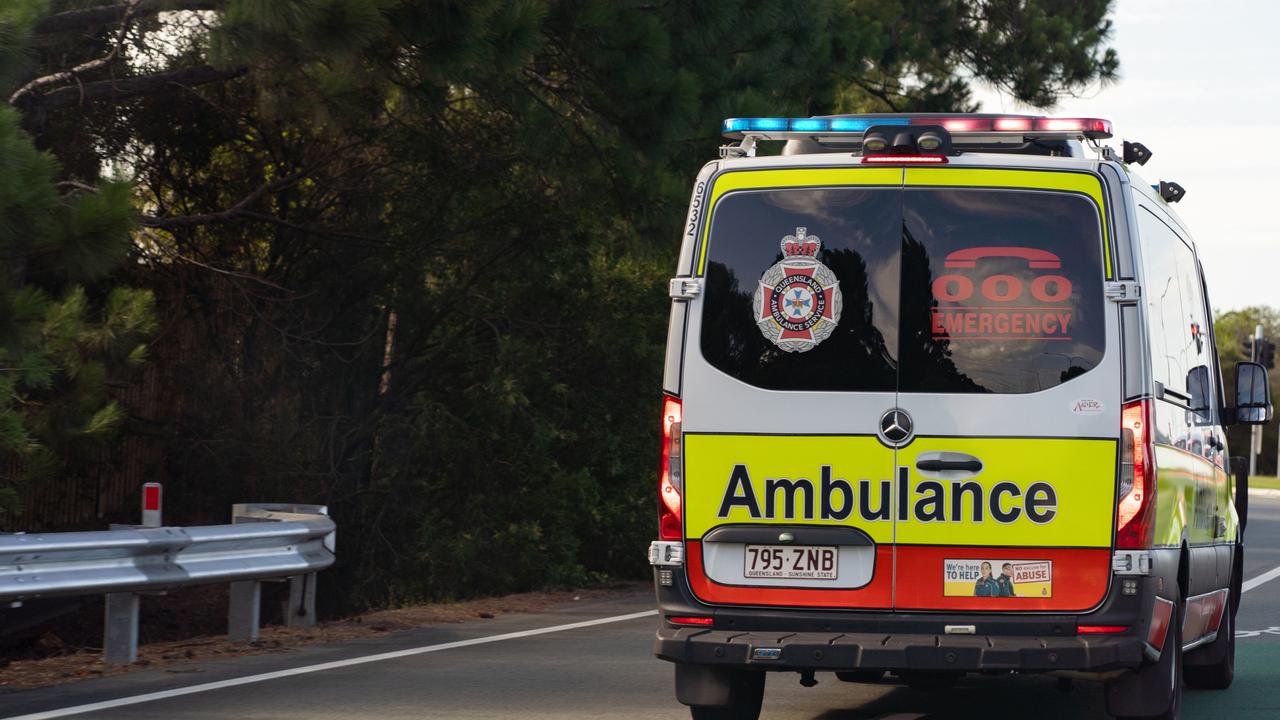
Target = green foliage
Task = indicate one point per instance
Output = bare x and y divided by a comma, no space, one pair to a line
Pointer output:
1232,331
60,340
17,18
929,52
412,258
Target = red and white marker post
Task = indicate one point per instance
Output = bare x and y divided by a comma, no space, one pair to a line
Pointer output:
151,503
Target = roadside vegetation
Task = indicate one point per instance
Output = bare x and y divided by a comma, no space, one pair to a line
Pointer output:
1266,482
1233,332
405,259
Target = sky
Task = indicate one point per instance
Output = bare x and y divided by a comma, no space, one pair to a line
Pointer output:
1198,86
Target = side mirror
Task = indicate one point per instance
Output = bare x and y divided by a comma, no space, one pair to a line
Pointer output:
1253,394
1198,388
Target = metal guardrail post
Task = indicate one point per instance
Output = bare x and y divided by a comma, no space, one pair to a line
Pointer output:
300,608
120,634
245,610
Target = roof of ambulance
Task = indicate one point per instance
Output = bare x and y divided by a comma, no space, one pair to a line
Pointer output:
969,159
845,158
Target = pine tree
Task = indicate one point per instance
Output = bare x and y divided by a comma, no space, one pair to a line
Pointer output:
504,177
65,330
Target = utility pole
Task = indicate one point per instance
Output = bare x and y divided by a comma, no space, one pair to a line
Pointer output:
1255,436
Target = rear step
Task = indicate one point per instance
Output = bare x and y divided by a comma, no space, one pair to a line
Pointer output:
878,651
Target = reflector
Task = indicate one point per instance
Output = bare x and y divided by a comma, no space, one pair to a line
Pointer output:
686,620
1101,629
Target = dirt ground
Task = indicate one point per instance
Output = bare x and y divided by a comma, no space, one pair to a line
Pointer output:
77,664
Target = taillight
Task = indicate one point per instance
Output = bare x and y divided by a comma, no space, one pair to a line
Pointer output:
1135,512
670,483
1101,629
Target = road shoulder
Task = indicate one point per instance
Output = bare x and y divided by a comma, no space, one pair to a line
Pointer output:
198,657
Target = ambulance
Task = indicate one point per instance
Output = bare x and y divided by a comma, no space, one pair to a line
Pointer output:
941,396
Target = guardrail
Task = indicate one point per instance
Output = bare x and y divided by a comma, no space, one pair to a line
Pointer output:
265,542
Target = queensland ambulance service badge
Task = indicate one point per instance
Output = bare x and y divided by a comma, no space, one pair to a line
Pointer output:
797,304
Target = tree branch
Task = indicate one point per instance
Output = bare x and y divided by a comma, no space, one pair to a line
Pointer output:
230,213
76,185
115,90
84,67
101,14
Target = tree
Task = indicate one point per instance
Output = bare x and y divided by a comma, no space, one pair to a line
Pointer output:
410,255
1232,331
930,52
65,332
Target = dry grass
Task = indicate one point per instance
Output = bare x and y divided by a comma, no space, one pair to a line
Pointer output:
177,656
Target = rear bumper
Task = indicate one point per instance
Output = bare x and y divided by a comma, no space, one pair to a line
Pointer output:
878,651
833,639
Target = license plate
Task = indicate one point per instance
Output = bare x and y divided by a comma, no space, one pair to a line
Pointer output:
799,562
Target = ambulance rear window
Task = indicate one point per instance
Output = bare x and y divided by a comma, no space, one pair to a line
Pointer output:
928,290
835,307
1001,290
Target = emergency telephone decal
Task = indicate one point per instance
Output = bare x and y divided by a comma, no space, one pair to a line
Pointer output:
797,303
975,302
997,578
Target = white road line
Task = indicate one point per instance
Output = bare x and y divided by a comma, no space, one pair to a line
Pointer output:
1248,585
250,679
1267,576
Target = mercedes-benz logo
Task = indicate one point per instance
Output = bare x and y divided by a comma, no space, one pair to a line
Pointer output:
896,428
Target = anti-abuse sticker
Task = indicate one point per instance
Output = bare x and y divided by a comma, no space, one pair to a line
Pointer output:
997,578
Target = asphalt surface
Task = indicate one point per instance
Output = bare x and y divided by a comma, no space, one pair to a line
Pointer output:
513,667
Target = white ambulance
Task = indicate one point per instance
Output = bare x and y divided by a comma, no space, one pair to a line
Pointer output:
941,397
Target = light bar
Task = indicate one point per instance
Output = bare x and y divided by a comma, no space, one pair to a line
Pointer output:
1095,128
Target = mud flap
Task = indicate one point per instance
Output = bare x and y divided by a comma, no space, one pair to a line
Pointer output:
1153,690
1213,653
704,685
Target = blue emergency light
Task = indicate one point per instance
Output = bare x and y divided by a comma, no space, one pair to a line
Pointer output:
808,125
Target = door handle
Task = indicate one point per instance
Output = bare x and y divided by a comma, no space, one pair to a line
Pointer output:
948,465
969,465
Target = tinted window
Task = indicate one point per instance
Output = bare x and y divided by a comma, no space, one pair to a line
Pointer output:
1001,290
1180,349
1197,381
761,305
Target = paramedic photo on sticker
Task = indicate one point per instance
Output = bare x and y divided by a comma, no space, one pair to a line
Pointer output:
636,360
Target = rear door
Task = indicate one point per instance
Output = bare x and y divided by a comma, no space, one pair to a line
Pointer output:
790,363
901,390
1009,368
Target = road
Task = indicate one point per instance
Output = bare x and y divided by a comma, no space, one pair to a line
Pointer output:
582,661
